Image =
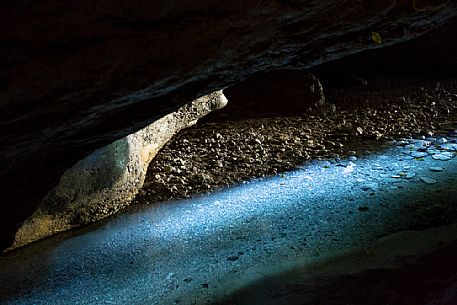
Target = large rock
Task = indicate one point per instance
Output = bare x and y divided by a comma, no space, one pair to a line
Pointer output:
75,76
109,178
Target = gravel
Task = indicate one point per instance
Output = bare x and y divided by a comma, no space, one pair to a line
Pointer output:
215,155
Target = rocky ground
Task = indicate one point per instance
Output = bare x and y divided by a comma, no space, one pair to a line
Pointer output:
374,193
370,111
326,233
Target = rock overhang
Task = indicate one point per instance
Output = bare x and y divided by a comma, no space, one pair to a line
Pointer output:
77,76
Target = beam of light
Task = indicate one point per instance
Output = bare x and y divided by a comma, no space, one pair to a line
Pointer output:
188,250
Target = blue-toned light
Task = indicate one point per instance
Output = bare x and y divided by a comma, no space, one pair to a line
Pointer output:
192,250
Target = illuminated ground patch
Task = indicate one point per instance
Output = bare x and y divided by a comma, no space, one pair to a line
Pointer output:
192,251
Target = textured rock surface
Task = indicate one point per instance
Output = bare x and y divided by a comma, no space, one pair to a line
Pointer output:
77,76
432,54
109,178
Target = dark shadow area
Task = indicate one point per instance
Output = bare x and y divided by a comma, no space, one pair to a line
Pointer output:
420,280
276,93
431,55
394,70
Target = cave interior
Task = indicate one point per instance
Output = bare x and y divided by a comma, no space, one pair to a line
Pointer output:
274,152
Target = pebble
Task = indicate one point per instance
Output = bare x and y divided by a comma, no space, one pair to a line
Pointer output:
428,180
450,146
418,154
369,186
392,180
436,169
410,147
401,143
352,158
410,175
419,143
168,169
233,258
441,141
429,133
441,157
432,151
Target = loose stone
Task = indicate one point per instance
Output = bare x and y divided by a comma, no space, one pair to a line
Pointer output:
168,169
418,154
432,151
441,157
428,180
436,169
441,141
232,258
401,143
449,146
410,175
369,186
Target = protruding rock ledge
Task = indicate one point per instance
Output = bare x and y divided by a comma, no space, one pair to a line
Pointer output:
109,178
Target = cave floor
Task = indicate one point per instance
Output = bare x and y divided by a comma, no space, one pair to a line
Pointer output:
238,143
320,219
285,210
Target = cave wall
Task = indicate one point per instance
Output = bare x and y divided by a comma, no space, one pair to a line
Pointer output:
76,76
430,55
